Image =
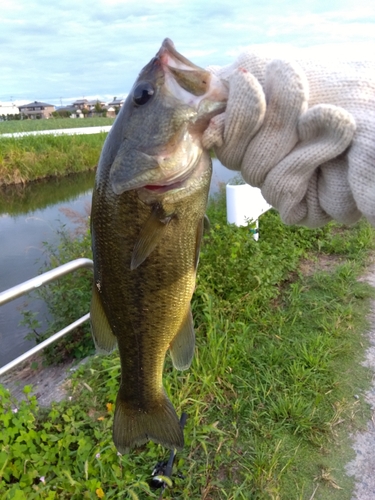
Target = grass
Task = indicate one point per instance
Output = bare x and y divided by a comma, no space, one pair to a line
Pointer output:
12,126
31,158
280,327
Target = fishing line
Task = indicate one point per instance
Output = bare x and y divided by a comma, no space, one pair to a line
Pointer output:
164,469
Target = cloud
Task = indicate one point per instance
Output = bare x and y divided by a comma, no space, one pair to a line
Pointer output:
63,48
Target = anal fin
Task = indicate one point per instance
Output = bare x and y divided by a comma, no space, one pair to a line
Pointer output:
206,224
104,339
198,240
183,344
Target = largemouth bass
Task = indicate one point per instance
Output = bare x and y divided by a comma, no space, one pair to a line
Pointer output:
147,217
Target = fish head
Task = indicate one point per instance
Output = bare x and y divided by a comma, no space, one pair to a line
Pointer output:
155,144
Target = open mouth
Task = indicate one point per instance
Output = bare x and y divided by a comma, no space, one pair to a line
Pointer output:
177,183
165,188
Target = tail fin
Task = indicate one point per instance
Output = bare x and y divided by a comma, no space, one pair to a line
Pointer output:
134,427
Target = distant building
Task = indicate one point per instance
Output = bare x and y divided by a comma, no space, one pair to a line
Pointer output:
37,109
94,102
67,111
81,104
8,108
116,102
111,112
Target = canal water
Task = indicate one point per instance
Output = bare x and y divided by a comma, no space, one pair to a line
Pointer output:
29,216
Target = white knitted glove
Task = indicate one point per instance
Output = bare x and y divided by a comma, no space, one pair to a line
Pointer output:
304,132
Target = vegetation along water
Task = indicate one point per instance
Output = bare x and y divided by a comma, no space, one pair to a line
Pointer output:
29,158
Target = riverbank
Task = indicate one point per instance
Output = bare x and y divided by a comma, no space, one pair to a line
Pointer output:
16,126
30,158
49,383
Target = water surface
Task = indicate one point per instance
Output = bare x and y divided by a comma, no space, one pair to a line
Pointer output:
29,216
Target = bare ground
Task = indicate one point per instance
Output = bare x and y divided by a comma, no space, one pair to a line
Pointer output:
49,383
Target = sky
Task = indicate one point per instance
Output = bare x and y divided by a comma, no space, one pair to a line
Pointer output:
62,50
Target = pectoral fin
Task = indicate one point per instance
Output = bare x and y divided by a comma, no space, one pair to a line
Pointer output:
182,346
150,235
104,339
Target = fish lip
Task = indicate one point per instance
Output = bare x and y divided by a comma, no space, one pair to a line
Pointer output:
168,49
160,188
156,189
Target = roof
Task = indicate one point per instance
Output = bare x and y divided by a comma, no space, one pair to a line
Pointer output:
94,101
35,103
116,102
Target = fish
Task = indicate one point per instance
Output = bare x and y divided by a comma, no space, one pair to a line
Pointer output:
147,221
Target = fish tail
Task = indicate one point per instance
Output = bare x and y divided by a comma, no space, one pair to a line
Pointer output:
134,427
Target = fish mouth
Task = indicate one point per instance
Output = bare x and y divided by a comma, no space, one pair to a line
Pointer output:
168,49
174,184
188,76
177,188
164,188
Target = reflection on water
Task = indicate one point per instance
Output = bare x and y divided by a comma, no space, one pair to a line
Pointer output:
25,199
29,216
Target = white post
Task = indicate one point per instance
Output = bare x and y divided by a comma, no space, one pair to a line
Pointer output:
245,203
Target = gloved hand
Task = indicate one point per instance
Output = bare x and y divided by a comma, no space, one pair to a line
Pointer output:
304,132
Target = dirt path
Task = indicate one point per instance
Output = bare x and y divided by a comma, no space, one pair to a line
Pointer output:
363,465
49,383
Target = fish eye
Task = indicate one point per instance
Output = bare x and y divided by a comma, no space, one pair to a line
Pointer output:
143,93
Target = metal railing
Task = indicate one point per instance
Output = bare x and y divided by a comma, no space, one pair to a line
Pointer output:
32,284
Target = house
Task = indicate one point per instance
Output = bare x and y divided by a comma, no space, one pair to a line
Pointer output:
81,104
8,108
67,111
37,109
116,103
111,112
94,102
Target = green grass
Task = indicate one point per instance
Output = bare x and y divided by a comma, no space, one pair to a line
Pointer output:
269,396
51,124
31,158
